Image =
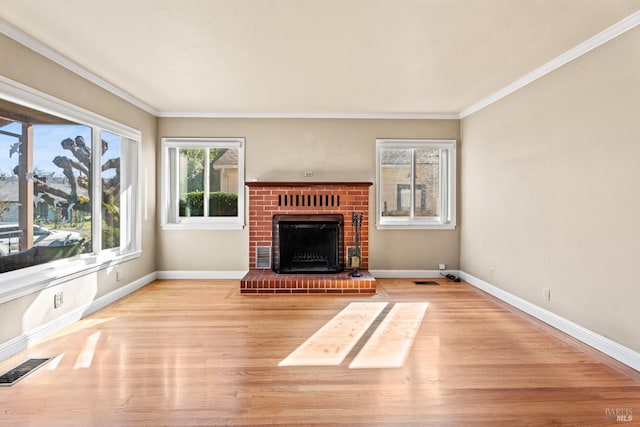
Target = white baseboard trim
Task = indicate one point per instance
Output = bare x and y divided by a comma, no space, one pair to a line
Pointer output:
119,293
24,341
186,274
410,274
611,348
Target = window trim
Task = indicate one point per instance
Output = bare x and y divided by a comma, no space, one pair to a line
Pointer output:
447,185
18,283
169,189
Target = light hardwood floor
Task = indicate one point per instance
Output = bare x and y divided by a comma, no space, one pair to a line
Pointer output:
199,353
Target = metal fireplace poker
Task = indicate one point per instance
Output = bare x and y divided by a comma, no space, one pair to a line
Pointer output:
356,221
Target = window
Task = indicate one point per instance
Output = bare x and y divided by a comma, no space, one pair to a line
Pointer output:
110,166
203,185
416,183
67,186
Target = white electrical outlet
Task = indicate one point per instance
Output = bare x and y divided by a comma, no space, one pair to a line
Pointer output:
442,266
118,275
492,273
308,174
58,300
546,294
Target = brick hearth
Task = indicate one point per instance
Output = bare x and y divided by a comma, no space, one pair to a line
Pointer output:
266,281
267,199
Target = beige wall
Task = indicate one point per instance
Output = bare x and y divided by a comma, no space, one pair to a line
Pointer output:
282,150
550,185
25,66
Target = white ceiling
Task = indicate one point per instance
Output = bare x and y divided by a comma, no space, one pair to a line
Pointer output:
312,56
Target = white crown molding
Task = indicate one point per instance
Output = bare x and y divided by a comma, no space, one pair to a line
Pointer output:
611,348
610,33
60,59
33,98
23,38
365,116
51,54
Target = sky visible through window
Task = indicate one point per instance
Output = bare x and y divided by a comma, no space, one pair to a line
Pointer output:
47,146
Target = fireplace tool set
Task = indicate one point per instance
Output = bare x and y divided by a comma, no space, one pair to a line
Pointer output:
356,221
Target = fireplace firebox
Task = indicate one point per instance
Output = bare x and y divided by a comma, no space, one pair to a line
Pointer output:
308,243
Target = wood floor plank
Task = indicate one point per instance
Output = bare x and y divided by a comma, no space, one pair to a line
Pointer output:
390,343
196,352
333,341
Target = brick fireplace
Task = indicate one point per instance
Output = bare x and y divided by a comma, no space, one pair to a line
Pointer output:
269,200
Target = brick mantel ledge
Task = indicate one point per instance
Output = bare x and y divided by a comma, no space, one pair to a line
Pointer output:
302,183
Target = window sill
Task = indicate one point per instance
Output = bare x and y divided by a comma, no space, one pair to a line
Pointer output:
16,284
203,226
414,226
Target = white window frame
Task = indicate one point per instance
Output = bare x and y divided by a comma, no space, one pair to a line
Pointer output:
169,186
447,218
14,284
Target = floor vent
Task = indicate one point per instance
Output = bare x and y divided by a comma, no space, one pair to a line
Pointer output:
426,282
263,257
21,371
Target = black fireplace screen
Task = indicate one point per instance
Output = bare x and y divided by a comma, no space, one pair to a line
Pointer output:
307,244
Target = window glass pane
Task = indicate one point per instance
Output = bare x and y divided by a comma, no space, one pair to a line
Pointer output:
427,182
61,189
111,180
45,206
395,182
204,181
191,181
416,183
9,143
223,182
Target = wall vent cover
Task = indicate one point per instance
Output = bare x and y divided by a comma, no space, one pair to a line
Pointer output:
263,257
309,200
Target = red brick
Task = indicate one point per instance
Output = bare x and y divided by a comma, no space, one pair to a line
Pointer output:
353,197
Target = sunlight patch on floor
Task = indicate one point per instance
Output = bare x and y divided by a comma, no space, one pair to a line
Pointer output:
78,326
85,358
391,342
53,364
331,343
